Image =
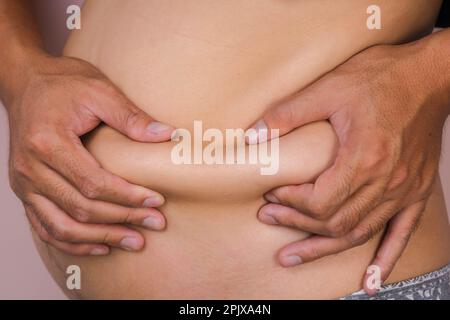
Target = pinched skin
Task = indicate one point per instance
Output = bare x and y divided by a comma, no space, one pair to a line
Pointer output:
225,63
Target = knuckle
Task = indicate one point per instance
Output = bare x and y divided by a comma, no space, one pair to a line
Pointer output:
65,197
402,171
40,141
102,87
15,185
77,208
425,184
92,187
128,216
320,210
37,227
418,184
81,215
338,227
19,166
399,177
131,121
362,234
372,161
132,118
44,237
43,234
359,236
376,155
314,253
61,231
107,238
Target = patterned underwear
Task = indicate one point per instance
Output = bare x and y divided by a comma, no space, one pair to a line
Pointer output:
430,286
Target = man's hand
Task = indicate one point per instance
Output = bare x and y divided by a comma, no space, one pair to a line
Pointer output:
388,106
72,203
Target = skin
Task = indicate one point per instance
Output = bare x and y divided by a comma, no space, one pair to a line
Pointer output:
388,106
45,145
64,190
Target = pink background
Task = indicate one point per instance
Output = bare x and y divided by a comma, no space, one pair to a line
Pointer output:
22,275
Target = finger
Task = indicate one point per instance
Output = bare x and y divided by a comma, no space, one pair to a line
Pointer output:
310,249
73,249
316,247
345,219
67,156
395,240
355,209
65,229
118,112
85,210
275,214
329,192
308,106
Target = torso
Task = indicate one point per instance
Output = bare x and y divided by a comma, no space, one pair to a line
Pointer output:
225,63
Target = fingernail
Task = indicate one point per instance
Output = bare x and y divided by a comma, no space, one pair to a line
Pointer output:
271,198
99,251
130,243
258,134
152,222
290,261
153,201
373,281
158,128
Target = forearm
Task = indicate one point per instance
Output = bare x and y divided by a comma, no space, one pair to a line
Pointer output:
21,45
434,64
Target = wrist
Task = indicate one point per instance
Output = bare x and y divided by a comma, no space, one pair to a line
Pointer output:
18,67
434,64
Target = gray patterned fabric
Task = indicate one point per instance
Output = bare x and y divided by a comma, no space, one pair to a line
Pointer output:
430,286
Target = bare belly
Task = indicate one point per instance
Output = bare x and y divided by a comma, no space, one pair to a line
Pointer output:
225,63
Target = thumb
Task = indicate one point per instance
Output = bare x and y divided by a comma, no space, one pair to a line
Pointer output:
308,106
122,115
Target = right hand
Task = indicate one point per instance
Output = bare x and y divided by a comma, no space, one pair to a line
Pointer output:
72,203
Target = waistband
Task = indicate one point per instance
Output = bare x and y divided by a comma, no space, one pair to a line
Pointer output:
434,285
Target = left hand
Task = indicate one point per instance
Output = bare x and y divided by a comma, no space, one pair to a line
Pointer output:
388,109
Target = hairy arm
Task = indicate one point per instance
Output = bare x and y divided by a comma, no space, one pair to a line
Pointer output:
390,133
21,46
71,201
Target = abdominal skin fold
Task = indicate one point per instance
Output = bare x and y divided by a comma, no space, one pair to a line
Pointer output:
303,154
